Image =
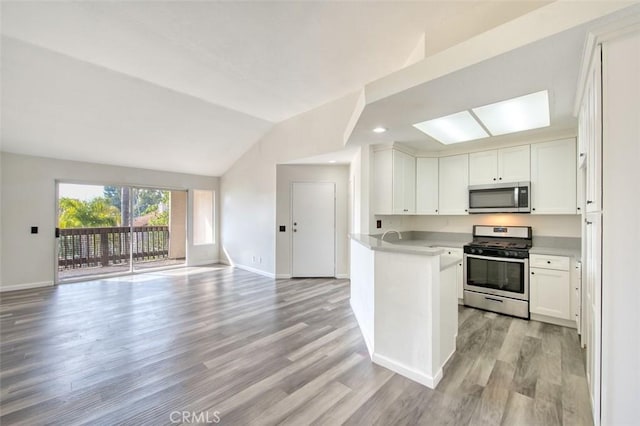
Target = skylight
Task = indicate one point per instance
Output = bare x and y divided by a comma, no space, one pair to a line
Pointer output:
513,115
454,128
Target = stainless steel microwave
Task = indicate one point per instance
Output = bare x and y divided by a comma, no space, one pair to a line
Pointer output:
500,198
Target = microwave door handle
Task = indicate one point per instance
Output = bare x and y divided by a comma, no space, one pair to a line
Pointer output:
516,204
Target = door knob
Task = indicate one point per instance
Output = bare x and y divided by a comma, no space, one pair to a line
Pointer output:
295,230
295,223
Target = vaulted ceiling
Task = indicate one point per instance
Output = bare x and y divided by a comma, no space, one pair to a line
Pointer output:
190,86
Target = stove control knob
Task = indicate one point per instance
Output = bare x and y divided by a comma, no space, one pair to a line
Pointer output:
479,251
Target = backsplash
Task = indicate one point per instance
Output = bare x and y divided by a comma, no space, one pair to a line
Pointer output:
543,225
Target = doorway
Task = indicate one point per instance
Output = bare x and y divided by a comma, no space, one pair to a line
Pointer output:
313,228
106,230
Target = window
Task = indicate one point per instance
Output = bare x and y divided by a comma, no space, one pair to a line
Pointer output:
202,217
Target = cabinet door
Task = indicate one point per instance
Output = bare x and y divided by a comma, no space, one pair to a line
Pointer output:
514,164
550,293
593,126
398,182
409,184
483,167
453,185
459,281
592,269
427,185
553,177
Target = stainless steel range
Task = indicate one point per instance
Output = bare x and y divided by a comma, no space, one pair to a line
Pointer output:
496,269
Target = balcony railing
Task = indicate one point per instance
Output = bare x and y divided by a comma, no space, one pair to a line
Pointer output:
91,247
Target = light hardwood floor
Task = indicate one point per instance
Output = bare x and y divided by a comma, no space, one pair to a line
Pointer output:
245,349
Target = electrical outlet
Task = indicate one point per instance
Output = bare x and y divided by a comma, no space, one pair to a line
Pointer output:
378,224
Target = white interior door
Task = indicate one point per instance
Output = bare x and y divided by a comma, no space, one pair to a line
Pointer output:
313,229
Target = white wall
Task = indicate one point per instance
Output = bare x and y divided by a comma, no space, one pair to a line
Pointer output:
248,189
1,226
286,175
363,291
620,231
29,199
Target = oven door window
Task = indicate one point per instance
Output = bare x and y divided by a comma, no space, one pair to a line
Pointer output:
493,198
496,274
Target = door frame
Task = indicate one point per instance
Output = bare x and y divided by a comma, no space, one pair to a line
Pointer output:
131,271
335,227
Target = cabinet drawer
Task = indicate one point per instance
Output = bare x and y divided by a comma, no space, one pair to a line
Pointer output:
559,263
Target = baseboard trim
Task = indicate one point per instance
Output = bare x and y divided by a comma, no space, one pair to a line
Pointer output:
26,286
556,321
409,373
255,271
203,263
342,276
283,276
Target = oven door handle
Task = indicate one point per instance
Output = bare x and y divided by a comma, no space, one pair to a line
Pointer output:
497,259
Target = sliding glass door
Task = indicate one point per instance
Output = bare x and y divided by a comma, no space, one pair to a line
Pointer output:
159,228
106,230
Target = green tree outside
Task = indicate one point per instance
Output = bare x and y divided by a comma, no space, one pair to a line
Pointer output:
94,213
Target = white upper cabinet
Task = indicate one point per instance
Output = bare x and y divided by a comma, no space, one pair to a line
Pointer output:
499,165
453,185
426,186
394,182
590,133
514,164
483,167
553,177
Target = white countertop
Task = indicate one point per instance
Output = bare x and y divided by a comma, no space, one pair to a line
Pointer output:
574,253
420,247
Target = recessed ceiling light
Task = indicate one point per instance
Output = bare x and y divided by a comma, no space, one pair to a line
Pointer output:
332,161
515,115
379,130
454,128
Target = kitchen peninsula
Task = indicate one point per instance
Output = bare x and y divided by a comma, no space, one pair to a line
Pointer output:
404,297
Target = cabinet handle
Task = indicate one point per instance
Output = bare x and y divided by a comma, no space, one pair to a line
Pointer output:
579,208
549,262
589,223
533,209
533,273
494,178
436,210
582,154
589,202
499,178
466,210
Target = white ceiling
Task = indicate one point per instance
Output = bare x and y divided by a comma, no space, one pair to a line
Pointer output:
552,64
190,86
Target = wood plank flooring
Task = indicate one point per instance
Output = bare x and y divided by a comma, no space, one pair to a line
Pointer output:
200,345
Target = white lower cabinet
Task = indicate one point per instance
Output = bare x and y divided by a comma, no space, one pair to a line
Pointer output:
449,251
550,286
